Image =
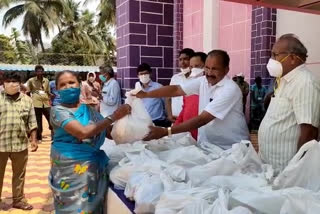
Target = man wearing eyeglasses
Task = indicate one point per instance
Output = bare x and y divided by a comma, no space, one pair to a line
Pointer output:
292,118
221,120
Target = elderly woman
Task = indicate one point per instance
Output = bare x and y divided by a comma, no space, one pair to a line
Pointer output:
78,176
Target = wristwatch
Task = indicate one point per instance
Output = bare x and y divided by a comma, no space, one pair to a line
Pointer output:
110,118
169,131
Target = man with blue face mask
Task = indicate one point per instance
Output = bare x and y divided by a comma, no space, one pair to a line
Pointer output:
292,118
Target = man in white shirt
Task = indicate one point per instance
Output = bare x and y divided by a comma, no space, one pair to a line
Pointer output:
174,105
293,115
111,92
221,120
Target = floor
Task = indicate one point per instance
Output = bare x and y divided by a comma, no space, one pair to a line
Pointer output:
36,187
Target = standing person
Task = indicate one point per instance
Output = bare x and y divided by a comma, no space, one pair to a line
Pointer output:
91,91
190,106
293,116
154,106
78,175
111,92
1,82
174,105
258,93
244,86
221,120
39,89
17,120
55,97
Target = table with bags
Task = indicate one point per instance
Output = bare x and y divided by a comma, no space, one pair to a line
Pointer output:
175,175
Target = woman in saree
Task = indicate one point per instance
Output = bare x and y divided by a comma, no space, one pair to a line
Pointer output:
78,175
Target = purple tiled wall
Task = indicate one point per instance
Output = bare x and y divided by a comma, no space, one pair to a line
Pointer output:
263,36
178,31
145,30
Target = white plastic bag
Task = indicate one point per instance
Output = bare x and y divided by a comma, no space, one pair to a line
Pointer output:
235,181
145,161
186,157
133,127
302,171
169,143
200,173
174,201
220,206
301,204
245,156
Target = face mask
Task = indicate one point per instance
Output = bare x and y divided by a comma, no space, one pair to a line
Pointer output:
196,72
185,70
69,95
11,88
275,67
91,79
102,78
145,78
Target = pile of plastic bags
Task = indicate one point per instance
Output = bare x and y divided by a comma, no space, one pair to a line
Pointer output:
173,175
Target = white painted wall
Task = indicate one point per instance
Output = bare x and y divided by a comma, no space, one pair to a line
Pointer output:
210,25
307,28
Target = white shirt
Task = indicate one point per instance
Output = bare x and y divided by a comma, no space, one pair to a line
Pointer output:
224,102
177,102
111,97
296,101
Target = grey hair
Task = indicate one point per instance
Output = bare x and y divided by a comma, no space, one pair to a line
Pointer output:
295,46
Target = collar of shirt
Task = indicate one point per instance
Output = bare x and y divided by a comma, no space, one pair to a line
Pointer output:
292,74
219,84
108,82
151,85
9,98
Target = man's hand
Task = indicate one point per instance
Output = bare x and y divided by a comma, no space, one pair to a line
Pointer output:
172,119
34,146
141,94
156,133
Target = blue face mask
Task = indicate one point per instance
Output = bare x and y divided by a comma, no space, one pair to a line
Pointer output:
69,95
102,78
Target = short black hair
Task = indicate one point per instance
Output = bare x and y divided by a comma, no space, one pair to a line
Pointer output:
202,55
39,67
223,55
187,51
59,74
144,67
12,76
107,69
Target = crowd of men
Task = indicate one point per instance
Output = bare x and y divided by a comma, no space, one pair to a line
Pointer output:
200,99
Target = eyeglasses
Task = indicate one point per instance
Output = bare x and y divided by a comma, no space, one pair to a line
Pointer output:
274,55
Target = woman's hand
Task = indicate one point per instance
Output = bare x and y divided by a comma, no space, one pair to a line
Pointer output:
121,112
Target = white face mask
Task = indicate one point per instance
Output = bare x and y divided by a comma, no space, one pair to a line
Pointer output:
196,72
275,68
185,70
11,88
144,78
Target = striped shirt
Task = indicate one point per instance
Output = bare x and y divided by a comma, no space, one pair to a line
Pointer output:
17,118
296,101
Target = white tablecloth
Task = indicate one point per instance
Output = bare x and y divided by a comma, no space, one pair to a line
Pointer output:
114,205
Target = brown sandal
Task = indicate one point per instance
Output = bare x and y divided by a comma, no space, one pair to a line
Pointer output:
22,206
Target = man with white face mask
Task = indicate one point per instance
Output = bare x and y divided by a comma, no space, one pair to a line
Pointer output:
154,106
292,118
191,103
174,105
17,120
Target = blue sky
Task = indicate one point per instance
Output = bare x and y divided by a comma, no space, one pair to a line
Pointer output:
92,5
